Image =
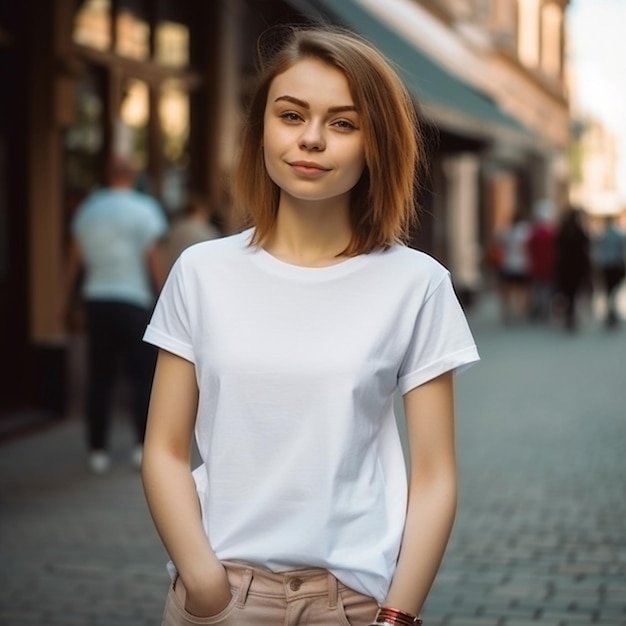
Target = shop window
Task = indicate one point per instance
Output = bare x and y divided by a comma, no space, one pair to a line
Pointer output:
172,44
171,36
131,129
132,35
92,24
84,138
174,122
95,21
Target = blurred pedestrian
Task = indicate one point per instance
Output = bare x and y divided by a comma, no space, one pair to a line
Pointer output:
541,255
283,346
193,226
609,255
573,263
514,277
115,243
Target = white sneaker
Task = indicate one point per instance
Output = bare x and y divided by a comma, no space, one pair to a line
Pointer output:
99,462
136,456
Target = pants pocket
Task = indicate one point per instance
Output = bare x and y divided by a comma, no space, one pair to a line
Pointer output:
176,615
356,609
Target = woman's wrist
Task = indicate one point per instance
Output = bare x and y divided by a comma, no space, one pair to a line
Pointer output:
387,616
209,574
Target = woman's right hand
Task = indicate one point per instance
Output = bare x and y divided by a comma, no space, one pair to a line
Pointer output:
210,598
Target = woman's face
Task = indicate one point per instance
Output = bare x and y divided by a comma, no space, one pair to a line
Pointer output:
312,138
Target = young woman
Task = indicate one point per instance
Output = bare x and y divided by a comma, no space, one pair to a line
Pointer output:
283,347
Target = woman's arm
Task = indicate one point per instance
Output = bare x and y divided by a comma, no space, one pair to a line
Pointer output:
170,489
429,411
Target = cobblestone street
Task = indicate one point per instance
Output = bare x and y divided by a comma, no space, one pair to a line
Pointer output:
540,537
541,531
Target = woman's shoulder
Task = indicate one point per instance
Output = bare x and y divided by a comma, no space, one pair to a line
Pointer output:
413,261
218,249
411,270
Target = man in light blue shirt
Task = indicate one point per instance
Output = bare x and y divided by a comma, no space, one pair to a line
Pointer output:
115,243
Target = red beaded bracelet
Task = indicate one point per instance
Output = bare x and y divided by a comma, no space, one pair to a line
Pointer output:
387,616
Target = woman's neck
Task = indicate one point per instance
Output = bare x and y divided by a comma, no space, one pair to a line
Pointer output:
311,234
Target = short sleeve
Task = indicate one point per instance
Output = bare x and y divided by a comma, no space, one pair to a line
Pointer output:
170,324
441,339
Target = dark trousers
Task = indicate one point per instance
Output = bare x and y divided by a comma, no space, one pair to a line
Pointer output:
114,339
612,276
570,295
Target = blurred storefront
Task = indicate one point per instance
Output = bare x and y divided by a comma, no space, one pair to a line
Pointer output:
165,82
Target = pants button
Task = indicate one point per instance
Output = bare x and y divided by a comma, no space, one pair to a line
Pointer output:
295,584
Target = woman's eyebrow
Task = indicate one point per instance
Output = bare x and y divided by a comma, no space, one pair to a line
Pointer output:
347,107
306,105
297,101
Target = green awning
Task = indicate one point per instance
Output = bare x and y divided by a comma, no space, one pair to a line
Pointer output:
447,99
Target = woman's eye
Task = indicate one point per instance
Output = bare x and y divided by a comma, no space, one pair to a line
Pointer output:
344,125
290,116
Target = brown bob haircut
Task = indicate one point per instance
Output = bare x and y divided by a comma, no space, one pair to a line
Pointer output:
383,207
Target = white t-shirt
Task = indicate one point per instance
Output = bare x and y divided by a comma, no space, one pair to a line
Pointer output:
115,227
297,367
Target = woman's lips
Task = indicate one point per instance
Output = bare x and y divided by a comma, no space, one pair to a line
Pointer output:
308,169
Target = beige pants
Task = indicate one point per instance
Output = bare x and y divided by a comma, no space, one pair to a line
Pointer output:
261,598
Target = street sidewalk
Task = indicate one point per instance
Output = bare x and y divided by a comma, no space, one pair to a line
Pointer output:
76,549
540,537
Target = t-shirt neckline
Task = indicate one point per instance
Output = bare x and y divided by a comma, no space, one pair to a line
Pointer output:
269,263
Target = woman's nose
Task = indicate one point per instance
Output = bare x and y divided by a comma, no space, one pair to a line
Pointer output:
312,137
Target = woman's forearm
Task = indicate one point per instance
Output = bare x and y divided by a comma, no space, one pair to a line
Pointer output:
430,516
429,411
170,489
173,503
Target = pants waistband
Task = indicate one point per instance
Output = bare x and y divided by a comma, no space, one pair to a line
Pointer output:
290,585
